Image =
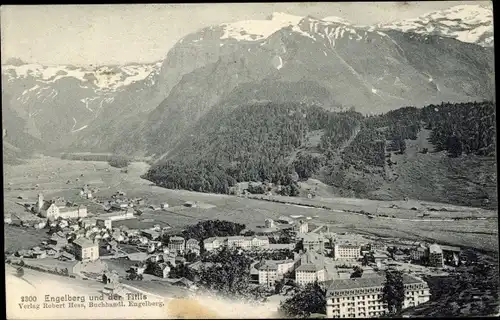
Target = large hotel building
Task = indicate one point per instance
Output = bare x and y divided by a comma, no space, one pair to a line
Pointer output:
362,297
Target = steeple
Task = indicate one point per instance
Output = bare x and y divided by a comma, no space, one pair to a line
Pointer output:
39,203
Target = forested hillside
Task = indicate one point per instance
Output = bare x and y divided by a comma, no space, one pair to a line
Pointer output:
251,143
376,156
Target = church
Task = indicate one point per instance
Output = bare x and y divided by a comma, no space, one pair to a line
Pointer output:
55,209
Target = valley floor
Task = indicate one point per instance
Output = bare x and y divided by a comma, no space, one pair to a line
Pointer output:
404,219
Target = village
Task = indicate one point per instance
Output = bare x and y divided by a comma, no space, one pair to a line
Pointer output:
291,250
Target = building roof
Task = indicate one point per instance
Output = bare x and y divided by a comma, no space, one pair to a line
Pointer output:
368,282
67,255
235,238
281,246
176,238
309,237
257,237
272,264
435,248
211,239
192,241
84,243
349,245
450,248
309,267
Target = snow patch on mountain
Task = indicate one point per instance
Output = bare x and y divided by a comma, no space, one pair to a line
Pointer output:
337,20
466,23
108,78
254,30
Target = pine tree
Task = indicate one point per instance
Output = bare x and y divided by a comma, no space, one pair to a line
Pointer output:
394,292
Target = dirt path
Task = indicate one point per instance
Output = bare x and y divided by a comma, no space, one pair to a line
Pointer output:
350,140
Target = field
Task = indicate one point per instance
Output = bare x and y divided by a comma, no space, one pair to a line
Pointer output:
481,234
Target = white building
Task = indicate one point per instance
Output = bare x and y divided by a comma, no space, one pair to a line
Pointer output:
55,209
312,241
302,226
309,273
362,297
177,244
311,268
246,243
271,271
86,250
269,223
213,243
346,251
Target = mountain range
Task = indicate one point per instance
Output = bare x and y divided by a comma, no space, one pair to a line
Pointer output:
149,109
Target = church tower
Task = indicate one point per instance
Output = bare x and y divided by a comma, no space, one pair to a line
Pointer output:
39,203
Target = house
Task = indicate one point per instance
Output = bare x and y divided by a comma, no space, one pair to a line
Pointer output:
87,223
170,259
58,240
192,245
138,269
7,218
285,220
66,256
162,270
177,244
86,250
436,258
183,282
151,234
362,297
164,206
419,253
380,258
155,258
399,255
451,255
269,223
104,223
110,277
180,260
38,254
115,291
137,256
191,204
302,227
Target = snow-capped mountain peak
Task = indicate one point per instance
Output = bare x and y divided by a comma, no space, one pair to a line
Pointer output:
104,78
254,30
337,20
467,23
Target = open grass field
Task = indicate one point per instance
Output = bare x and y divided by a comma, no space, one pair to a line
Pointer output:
481,234
19,238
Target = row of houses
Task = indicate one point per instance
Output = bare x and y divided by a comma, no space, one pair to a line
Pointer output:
246,243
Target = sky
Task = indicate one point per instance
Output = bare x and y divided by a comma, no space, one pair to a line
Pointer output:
120,34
